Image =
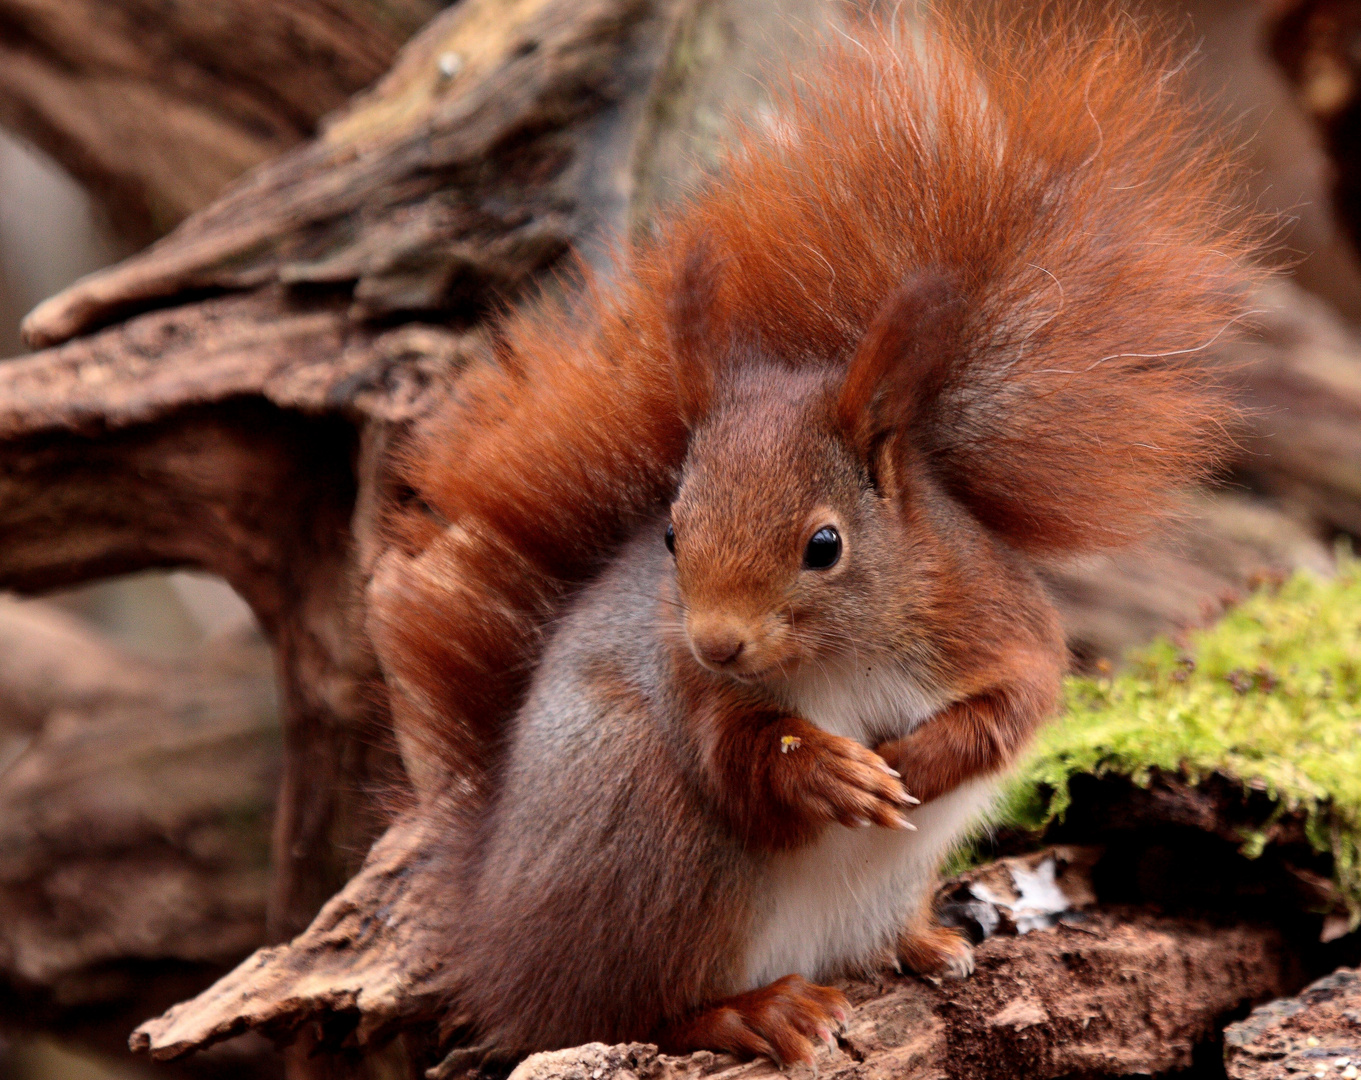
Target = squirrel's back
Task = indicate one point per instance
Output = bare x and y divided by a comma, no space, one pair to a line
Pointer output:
1051,165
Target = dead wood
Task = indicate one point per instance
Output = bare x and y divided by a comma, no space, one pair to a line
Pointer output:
135,801
156,106
361,972
1316,1033
435,192
1115,995
352,981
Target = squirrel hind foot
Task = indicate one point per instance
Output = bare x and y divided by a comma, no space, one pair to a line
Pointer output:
783,1021
935,952
463,1061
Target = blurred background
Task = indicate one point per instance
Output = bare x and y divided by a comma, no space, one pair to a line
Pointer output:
53,232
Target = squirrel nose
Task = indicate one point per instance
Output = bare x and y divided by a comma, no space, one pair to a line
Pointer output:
720,649
717,644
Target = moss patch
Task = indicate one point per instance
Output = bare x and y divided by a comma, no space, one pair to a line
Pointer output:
1271,696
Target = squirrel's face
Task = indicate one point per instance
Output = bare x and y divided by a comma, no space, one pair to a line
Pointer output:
779,538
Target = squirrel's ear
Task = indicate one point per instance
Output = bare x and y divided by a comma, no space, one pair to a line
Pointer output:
902,362
691,315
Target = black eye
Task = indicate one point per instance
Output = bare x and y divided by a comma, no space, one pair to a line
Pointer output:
823,549
671,538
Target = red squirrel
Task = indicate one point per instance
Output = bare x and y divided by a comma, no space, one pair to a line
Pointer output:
713,621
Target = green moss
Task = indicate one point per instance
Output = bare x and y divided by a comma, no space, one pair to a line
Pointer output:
1271,696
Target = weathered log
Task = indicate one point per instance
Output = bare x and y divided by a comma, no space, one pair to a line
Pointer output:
506,133
361,974
353,981
157,106
1108,996
135,800
1117,993
1316,1033
434,192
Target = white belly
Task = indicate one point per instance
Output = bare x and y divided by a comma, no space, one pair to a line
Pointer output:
838,904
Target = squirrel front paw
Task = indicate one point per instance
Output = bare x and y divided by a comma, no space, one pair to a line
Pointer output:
829,778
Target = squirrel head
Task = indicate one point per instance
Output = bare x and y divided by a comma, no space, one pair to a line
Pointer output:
799,529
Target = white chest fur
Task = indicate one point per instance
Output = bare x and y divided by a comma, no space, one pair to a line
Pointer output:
836,905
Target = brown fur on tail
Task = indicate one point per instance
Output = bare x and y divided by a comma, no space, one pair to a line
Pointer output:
1051,169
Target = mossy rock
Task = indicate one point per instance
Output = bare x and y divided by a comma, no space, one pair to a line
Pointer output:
1269,697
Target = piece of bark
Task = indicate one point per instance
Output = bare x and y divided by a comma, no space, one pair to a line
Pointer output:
360,967
1020,893
157,104
1316,1033
135,801
1120,993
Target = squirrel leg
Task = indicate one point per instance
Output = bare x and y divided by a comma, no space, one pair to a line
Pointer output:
925,947
970,738
781,1021
780,780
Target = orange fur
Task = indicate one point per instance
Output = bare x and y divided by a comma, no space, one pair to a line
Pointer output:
953,300
784,1021
1052,169
780,781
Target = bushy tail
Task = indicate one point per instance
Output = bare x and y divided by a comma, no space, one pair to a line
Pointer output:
1053,166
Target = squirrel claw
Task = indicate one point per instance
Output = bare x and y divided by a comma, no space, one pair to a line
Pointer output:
936,953
460,1060
784,1021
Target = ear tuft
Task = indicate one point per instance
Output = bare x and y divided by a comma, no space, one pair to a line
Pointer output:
691,315
903,362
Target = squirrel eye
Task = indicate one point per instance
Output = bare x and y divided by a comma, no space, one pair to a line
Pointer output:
671,538
824,549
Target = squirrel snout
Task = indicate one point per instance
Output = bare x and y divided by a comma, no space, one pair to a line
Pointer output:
718,648
723,643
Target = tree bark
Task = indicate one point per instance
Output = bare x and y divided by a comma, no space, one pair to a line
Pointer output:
157,105
135,802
